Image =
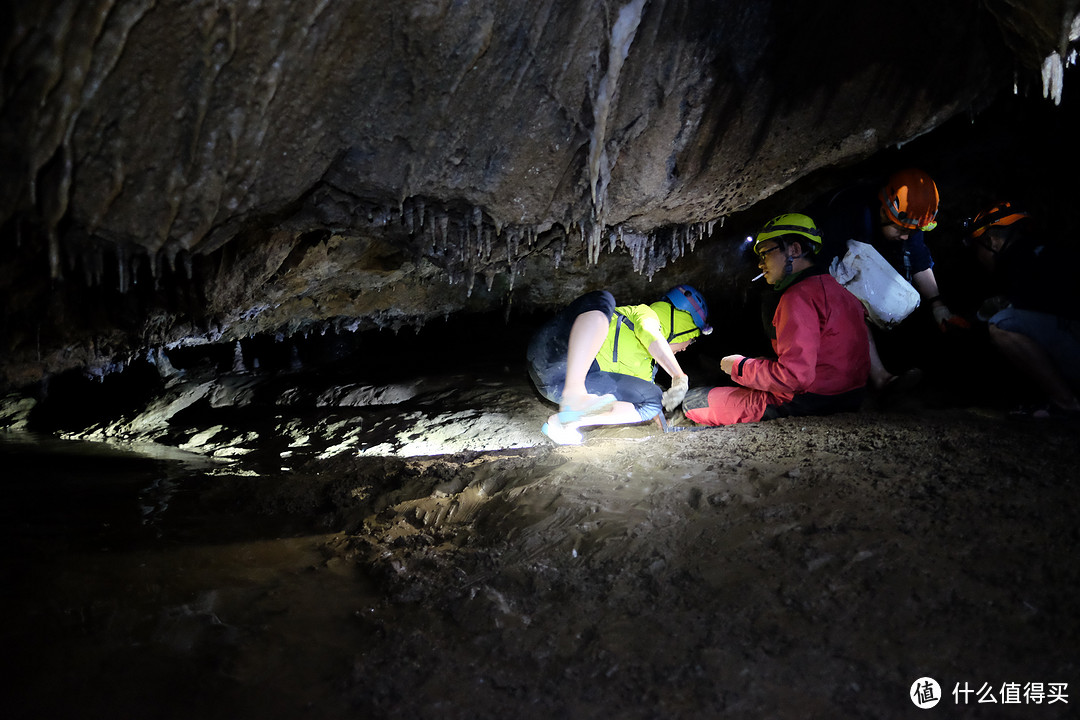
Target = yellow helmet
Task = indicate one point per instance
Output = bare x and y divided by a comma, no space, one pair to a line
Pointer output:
790,224
677,324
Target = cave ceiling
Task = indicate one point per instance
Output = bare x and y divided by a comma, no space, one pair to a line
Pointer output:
178,172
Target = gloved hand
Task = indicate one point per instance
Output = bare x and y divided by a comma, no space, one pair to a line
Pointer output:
674,396
946,321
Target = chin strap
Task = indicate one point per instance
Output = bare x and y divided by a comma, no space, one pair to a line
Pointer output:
788,269
788,279
789,273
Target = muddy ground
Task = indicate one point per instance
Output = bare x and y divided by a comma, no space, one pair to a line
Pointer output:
801,568
812,567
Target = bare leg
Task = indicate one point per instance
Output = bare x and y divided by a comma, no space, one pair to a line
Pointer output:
587,334
1031,360
879,376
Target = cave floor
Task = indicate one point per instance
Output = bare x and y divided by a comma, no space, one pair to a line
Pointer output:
433,555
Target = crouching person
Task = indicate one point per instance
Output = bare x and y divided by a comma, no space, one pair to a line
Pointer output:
818,332
598,361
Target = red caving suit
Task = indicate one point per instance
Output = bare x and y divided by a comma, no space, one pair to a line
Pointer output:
821,345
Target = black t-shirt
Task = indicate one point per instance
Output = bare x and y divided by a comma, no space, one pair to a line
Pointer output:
1037,274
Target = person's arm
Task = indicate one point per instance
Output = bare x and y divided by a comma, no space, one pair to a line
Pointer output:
798,339
650,334
926,283
664,356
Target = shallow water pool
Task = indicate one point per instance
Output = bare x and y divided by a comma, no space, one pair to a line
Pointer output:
133,588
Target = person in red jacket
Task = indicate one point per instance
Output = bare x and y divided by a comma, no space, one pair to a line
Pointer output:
818,332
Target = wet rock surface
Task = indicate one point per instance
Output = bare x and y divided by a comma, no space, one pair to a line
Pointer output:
182,173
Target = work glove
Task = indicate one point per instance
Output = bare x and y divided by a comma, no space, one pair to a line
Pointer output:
946,321
674,396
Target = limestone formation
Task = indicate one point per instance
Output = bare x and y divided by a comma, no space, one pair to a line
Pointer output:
195,172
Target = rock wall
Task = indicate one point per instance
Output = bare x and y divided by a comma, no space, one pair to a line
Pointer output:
187,172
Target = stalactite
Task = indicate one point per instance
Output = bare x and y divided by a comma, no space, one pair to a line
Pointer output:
155,268
98,258
88,274
512,240
478,220
596,237
171,251
622,35
121,268
444,226
54,254
136,264
654,261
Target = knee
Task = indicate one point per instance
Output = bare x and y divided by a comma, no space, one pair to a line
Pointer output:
1001,337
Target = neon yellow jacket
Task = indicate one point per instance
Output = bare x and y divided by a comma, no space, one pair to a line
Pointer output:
625,350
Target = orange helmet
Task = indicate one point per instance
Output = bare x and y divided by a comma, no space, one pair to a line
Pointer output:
999,214
910,199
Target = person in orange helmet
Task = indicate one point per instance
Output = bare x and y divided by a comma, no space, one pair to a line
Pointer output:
1033,321
893,218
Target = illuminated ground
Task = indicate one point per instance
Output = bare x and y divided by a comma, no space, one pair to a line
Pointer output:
800,568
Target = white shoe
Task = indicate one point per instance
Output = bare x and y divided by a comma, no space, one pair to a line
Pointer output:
561,435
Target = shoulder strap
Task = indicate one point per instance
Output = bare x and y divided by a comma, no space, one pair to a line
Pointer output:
620,321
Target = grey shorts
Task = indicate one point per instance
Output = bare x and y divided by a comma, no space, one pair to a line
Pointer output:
1058,336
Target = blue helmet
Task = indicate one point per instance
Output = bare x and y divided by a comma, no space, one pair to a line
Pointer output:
690,301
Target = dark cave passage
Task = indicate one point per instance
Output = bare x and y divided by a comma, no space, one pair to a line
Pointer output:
269,444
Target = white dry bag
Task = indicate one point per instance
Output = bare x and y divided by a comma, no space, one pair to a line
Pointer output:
888,297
